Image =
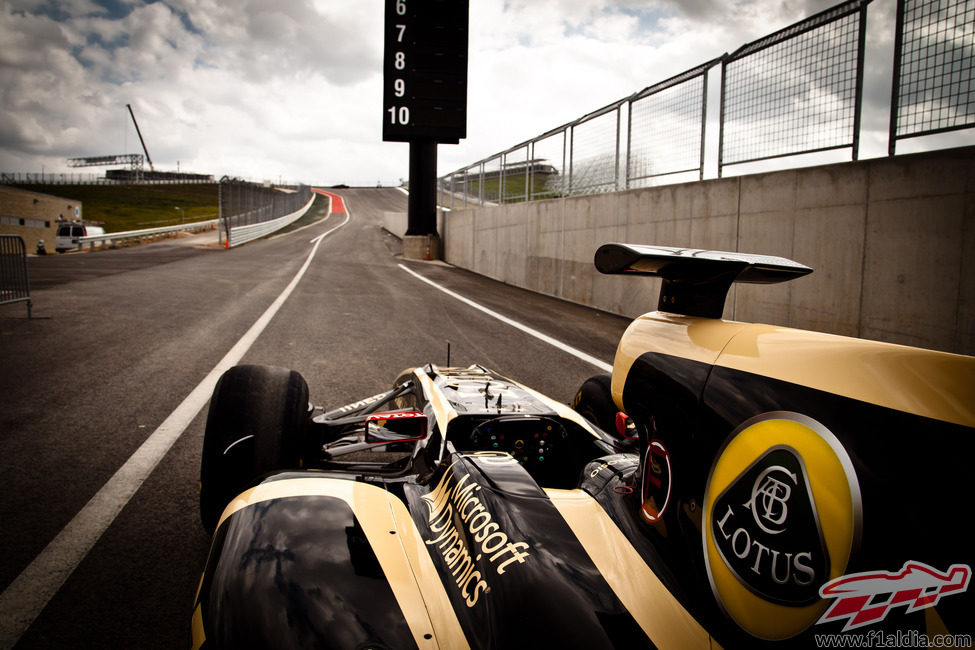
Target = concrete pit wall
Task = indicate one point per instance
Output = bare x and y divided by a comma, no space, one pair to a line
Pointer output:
892,242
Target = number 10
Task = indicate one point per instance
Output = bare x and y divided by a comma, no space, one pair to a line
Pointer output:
399,115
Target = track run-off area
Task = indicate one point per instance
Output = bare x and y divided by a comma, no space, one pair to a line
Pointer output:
103,395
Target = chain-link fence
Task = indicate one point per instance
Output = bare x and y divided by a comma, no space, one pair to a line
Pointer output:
797,91
934,69
250,210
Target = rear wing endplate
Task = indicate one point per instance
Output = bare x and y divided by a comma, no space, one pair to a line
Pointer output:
695,282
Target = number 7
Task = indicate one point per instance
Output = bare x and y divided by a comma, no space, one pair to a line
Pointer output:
402,30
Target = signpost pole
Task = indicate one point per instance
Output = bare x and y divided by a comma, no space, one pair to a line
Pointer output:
423,188
421,240
424,101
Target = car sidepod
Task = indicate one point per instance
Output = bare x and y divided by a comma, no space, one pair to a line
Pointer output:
794,459
791,484
304,560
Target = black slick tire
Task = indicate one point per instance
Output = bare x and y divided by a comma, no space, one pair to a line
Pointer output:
594,401
256,424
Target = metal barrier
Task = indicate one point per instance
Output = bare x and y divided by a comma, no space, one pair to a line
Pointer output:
795,92
14,281
242,234
137,236
62,178
934,69
251,210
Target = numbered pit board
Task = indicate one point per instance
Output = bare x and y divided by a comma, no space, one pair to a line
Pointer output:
425,70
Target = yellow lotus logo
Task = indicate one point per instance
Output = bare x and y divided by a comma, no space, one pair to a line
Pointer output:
783,515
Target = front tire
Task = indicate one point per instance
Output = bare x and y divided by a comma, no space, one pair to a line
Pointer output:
256,424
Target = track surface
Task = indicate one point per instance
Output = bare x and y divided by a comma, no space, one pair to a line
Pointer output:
121,337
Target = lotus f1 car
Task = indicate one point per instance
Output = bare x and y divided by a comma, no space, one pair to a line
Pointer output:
729,485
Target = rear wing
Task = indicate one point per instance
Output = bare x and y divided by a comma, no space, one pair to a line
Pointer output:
695,282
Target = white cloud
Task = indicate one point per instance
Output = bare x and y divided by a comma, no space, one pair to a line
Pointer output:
293,89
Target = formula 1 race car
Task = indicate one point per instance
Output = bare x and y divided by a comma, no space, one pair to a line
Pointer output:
730,484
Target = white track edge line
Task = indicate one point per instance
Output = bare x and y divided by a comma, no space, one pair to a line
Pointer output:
24,598
579,354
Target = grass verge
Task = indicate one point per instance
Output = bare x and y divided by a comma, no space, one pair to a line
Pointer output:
135,207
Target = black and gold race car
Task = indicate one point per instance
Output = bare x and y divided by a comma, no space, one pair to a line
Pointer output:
729,485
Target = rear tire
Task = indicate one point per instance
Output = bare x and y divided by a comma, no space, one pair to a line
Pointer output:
594,401
256,424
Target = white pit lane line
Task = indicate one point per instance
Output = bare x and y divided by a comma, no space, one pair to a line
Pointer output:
579,354
22,601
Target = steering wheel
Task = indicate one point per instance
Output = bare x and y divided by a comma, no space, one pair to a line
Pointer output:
530,439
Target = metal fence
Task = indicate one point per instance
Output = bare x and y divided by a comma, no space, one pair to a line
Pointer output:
14,280
666,134
657,132
249,210
797,91
59,178
934,69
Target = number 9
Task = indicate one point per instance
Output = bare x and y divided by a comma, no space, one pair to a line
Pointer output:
399,87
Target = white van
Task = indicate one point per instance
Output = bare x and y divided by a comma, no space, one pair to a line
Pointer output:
68,234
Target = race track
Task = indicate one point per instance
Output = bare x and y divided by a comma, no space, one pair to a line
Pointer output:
121,338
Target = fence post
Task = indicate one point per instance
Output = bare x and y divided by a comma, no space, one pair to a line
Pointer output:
616,171
572,142
721,114
858,93
704,121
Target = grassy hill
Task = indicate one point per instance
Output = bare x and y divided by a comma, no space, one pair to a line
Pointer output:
134,207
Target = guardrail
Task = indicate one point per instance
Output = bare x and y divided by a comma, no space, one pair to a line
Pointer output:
137,236
14,281
252,210
242,234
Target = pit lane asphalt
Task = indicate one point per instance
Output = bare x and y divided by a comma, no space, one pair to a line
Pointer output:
120,337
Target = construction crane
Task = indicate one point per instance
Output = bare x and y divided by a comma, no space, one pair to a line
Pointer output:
135,162
129,106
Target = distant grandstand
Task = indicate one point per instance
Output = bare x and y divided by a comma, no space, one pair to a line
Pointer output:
155,176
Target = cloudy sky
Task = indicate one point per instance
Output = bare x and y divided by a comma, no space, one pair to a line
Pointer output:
292,89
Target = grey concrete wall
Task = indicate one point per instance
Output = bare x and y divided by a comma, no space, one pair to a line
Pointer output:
397,222
892,242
